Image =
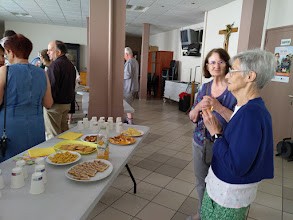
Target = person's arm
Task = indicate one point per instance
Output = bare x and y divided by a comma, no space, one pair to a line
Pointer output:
239,155
127,71
2,82
218,107
47,99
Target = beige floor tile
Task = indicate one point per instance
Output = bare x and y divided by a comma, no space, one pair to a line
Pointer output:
269,200
187,150
97,210
184,156
111,213
149,165
154,211
158,179
260,212
130,204
111,195
138,172
194,194
189,167
135,159
288,206
175,146
179,216
168,170
189,206
187,176
277,180
270,188
168,152
180,186
146,190
287,216
170,199
123,183
288,183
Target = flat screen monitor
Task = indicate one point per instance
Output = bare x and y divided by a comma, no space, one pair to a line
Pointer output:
188,37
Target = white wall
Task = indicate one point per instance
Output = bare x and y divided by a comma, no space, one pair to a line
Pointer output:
280,13
215,20
42,34
170,41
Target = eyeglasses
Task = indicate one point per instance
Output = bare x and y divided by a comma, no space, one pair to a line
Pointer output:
214,63
231,71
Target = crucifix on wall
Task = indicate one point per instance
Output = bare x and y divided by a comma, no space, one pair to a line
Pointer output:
227,32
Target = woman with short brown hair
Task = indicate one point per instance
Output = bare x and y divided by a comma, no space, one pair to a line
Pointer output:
27,91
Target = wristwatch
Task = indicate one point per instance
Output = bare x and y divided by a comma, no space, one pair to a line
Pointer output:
216,136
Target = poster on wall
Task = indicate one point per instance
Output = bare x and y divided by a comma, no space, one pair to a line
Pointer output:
283,56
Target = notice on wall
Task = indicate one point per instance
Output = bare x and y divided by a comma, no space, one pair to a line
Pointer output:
283,57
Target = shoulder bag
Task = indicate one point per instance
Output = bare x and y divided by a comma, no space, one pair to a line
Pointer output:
3,140
207,143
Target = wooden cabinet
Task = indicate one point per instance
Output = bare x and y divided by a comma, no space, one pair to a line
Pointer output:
157,61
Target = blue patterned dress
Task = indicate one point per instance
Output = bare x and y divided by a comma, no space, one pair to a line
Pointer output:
24,115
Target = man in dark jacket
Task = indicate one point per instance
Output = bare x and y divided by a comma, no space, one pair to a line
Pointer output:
62,76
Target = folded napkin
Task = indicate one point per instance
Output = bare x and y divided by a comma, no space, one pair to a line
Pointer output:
40,152
70,135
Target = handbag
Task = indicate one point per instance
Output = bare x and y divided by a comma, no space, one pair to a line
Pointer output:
207,143
4,139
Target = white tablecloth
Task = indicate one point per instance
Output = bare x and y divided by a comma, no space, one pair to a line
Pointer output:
63,198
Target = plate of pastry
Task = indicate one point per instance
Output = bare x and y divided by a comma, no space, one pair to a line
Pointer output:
89,171
92,138
122,140
133,132
63,158
77,146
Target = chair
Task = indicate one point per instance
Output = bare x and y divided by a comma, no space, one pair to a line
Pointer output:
172,71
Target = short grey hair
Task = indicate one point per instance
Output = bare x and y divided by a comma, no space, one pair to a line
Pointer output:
128,51
262,62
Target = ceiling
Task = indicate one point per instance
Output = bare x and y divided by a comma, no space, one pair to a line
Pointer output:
163,15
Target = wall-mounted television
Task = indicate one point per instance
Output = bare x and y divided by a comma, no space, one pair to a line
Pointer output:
188,37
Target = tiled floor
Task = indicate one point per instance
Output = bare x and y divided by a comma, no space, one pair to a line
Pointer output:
163,169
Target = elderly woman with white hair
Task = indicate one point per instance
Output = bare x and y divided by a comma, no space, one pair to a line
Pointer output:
243,152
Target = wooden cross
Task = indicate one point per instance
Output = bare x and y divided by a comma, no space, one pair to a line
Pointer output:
227,32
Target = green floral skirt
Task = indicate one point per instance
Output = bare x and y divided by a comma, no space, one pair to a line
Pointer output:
210,210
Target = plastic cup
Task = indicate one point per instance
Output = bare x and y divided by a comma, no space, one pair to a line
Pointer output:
118,119
21,163
80,125
86,123
17,179
40,161
94,118
41,168
37,183
119,127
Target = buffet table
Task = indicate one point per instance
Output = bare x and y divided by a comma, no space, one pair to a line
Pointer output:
63,198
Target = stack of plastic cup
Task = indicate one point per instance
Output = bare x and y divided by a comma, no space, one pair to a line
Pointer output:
37,183
41,168
86,123
40,161
17,179
21,163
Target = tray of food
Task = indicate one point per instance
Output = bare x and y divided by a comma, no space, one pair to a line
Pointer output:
93,138
91,170
132,132
63,158
122,140
77,146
